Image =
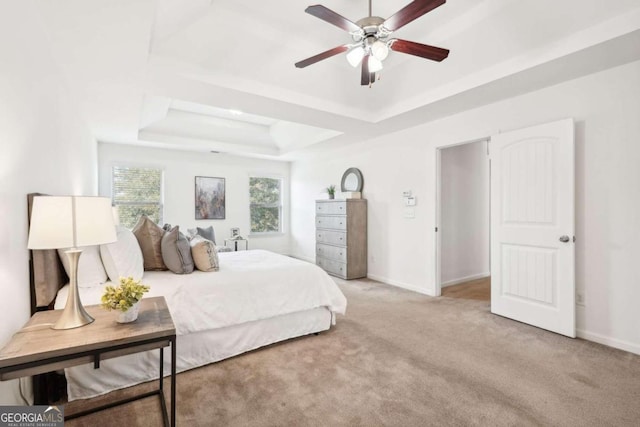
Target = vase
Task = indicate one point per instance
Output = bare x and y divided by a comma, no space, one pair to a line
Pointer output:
331,196
130,315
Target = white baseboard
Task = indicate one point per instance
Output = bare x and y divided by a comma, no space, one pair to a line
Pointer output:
611,342
407,286
464,279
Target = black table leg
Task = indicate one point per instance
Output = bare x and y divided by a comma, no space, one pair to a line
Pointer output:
173,382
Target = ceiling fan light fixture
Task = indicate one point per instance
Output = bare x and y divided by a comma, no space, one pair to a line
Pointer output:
355,55
375,64
379,50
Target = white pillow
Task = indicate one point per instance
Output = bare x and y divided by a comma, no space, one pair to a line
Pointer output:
90,269
124,257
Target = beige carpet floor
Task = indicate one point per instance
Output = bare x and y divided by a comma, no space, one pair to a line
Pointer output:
403,359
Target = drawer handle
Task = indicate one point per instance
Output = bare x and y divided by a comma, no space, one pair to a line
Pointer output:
341,238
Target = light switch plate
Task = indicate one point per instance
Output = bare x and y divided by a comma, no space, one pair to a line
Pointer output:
410,201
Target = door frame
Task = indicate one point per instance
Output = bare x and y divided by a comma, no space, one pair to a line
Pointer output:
438,210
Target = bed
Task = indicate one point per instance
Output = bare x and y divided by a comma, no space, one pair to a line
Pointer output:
256,298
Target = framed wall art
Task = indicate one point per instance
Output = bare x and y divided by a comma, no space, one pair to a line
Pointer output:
210,198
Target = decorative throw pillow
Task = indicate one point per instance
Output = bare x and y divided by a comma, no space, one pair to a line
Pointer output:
204,254
90,269
176,252
124,257
191,233
208,233
149,236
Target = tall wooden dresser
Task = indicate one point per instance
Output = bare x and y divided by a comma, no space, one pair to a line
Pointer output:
341,237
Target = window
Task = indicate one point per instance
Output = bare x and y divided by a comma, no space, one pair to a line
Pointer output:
137,191
265,198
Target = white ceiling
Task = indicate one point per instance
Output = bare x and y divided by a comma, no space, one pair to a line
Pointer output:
167,73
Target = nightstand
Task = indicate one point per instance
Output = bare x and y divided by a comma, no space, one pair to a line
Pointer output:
230,243
38,349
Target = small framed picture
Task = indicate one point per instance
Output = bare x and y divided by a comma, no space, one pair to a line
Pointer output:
235,232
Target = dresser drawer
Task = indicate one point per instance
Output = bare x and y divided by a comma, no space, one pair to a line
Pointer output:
336,253
331,208
333,267
331,237
332,222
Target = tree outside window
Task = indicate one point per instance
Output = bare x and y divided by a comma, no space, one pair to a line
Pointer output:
137,191
265,198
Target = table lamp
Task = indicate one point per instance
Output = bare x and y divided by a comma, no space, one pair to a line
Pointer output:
71,222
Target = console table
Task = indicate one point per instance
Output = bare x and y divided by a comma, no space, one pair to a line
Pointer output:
38,349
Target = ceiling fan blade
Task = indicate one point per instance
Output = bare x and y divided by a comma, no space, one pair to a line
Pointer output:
365,79
418,49
324,55
331,17
410,12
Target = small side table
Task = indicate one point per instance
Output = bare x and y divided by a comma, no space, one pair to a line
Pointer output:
229,243
38,349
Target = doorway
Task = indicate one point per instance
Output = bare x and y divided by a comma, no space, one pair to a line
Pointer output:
463,232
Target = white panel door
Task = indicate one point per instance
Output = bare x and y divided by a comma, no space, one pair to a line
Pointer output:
532,226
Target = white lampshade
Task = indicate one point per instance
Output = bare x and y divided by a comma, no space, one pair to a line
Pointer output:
379,50
374,64
355,55
70,221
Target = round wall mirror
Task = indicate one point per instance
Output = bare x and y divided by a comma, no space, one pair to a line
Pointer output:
352,180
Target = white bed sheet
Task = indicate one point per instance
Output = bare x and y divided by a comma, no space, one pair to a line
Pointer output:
250,285
255,299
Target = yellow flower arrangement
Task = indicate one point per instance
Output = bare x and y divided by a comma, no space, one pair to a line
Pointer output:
124,296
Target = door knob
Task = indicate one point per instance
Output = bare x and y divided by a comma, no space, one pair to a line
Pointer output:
564,239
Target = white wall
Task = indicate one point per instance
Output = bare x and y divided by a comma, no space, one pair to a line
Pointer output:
397,254
464,213
605,106
44,147
181,168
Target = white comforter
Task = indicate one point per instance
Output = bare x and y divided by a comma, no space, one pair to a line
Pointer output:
250,285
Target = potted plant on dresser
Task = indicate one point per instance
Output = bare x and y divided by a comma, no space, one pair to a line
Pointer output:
331,191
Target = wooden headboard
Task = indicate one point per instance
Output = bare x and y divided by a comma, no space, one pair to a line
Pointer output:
46,273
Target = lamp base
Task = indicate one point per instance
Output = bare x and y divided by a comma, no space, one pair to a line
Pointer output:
74,315
73,319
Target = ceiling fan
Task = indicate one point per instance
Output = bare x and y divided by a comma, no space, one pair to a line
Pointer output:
371,38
